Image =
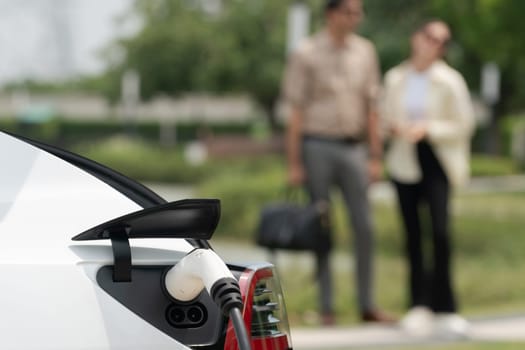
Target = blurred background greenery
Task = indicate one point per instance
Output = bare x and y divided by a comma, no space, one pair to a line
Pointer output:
184,48
238,47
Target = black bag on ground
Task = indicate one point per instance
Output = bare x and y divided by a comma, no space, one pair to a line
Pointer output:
294,226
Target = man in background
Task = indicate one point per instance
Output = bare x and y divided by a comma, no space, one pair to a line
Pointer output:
331,86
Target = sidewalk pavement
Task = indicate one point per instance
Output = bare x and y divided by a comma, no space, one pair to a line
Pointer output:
501,329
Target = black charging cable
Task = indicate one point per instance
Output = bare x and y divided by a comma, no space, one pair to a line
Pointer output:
227,295
240,329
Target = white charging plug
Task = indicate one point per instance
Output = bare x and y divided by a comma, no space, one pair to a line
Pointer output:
201,268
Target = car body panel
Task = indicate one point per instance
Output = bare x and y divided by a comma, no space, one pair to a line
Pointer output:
49,295
45,200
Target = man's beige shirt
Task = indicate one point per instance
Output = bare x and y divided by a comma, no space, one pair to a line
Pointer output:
334,87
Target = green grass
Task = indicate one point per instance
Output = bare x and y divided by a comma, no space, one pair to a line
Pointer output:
484,165
489,255
484,288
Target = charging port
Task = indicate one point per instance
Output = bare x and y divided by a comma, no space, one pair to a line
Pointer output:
186,316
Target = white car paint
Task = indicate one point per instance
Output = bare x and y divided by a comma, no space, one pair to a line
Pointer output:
49,298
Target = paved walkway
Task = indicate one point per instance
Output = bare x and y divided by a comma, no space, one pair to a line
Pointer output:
503,329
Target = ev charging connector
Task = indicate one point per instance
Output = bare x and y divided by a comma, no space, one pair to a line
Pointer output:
203,268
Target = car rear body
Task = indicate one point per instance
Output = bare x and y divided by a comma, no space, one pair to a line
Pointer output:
59,294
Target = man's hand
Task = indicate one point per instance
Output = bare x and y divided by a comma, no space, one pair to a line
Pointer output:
375,170
296,175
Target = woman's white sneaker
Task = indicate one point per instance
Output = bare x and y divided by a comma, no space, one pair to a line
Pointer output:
418,321
450,326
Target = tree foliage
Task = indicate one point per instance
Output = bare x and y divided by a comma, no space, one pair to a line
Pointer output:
241,48
488,30
182,48
389,25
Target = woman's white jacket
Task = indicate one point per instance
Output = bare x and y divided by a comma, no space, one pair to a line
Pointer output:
449,118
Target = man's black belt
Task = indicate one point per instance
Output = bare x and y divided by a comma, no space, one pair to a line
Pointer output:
347,140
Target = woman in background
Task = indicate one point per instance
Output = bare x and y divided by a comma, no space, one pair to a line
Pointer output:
428,113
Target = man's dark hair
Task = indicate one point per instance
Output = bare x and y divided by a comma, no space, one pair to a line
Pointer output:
331,5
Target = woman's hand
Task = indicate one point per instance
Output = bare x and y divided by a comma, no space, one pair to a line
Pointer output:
416,132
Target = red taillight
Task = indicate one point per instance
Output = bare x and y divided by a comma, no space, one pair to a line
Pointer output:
264,311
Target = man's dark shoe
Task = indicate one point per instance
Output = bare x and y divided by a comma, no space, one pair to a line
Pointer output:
377,316
328,319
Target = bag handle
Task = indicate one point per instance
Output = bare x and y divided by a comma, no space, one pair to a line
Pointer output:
297,194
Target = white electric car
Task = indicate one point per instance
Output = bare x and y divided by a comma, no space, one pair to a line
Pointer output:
90,259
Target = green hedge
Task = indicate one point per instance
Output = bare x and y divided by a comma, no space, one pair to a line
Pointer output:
144,161
67,133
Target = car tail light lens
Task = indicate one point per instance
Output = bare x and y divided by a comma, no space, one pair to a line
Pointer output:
264,311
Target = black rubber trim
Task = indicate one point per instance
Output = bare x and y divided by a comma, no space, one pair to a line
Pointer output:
121,255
